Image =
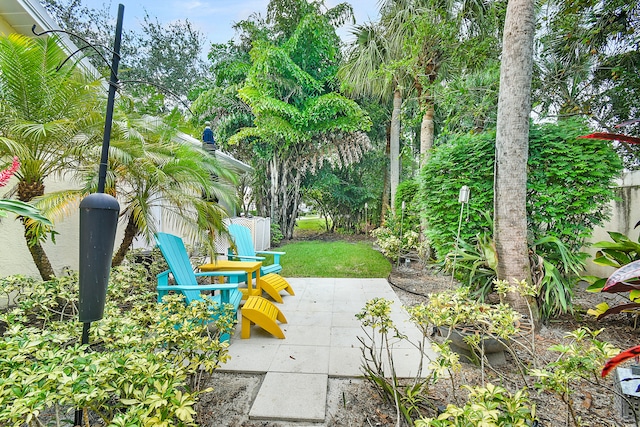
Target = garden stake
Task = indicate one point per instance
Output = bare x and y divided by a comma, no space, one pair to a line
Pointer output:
463,198
401,224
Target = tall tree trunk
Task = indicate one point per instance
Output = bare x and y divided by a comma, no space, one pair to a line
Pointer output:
426,134
284,192
394,155
130,233
512,145
384,207
296,201
273,167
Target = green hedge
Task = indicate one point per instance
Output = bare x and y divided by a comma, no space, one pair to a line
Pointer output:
570,182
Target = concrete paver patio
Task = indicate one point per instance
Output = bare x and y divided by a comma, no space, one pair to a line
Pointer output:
321,342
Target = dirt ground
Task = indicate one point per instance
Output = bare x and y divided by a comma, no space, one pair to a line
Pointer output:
355,402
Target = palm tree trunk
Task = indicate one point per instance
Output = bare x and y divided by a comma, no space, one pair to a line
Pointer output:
384,208
512,144
130,233
27,191
40,258
394,155
426,134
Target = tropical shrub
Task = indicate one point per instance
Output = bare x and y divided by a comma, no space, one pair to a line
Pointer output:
145,365
569,184
400,233
340,193
580,357
624,255
554,270
381,332
394,239
407,193
276,234
486,406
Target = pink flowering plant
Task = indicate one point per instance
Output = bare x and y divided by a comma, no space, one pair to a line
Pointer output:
6,174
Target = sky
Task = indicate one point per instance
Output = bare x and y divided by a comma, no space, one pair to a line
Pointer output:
215,18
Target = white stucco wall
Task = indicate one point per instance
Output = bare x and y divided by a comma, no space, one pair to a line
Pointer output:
15,257
625,214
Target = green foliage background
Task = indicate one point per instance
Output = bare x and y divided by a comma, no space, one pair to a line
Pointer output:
569,184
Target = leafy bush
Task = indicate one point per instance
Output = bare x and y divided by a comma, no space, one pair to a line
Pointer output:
580,357
144,368
486,406
408,192
276,234
400,233
341,193
624,255
394,239
569,186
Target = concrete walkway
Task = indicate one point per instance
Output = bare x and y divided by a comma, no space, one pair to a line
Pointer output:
321,342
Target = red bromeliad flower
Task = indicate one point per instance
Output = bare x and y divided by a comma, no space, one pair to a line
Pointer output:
615,361
613,137
6,174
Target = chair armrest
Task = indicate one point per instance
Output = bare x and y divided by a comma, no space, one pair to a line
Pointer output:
247,257
163,282
235,276
226,273
163,278
276,255
270,252
212,287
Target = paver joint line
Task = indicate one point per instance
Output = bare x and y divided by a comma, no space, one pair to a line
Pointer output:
333,318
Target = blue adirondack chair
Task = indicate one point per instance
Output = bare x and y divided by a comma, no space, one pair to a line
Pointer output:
175,254
270,281
245,251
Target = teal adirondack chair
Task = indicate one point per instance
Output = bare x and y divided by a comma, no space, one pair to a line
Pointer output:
175,254
245,251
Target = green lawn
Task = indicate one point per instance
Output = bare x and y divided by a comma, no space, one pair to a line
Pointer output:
332,259
307,226
310,223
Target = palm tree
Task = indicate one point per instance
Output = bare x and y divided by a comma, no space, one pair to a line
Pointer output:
512,144
150,174
360,74
46,116
21,209
186,182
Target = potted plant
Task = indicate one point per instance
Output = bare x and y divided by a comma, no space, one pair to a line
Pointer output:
476,327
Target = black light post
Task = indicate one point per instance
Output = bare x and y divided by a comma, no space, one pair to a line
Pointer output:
98,222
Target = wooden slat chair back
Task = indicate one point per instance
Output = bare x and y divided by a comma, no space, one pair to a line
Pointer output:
175,253
270,281
245,251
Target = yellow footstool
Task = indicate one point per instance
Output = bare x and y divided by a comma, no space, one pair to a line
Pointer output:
272,284
262,312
